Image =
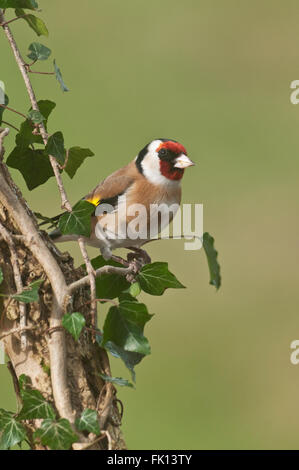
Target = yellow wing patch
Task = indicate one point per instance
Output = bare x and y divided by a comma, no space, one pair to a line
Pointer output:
94,200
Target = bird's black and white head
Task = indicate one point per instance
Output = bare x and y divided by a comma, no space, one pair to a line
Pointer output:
163,161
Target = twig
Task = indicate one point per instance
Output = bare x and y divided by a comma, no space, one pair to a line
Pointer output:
99,272
40,73
62,167
18,281
13,110
92,282
10,125
17,330
98,439
3,134
14,19
3,313
100,300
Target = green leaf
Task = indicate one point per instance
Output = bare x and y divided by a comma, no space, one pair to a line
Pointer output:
88,421
124,327
1,276
25,137
109,286
11,431
76,157
34,22
211,253
29,4
30,293
59,77
38,51
35,116
130,359
77,222
33,164
23,381
135,312
117,381
125,295
134,289
58,435
155,278
6,101
73,323
55,147
35,406
46,107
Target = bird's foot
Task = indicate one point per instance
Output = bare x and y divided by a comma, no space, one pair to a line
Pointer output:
137,258
140,254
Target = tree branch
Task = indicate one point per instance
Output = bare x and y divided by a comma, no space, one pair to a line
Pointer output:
40,251
18,281
3,134
92,282
99,272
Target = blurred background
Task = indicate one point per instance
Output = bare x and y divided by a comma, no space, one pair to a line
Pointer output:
216,76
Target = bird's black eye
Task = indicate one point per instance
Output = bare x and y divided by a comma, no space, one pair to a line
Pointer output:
162,152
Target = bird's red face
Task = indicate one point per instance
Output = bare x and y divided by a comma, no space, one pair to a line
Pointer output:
163,161
173,159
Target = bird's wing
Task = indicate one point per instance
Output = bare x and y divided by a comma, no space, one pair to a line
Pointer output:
112,187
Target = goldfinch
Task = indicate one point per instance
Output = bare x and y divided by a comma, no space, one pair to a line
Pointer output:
151,181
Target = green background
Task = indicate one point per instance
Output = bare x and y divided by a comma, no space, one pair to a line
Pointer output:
216,76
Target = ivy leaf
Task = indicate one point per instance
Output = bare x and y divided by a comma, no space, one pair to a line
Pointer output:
77,222
76,157
88,421
73,323
130,359
109,286
33,164
38,51
134,289
29,4
124,327
117,381
1,276
135,312
55,147
5,101
35,406
154,278
46,107
30,293
125,295
25,137
59,77
34,22
58,435
211,253
23,381
11,431
35,116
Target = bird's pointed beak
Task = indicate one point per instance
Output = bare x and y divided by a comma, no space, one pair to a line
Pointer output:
182,161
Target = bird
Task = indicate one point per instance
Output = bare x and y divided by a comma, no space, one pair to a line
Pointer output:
152,179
